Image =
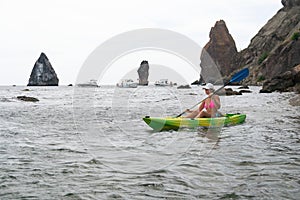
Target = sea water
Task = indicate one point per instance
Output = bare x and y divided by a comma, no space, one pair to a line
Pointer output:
91,143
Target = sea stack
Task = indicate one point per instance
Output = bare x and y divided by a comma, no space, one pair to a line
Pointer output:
143,72
43,73
221,48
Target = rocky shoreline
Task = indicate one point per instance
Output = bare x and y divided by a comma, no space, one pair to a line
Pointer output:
272,55
286,82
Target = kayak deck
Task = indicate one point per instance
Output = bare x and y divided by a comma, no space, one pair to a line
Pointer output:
169,123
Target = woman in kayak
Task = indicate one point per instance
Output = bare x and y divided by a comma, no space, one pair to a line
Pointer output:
209,107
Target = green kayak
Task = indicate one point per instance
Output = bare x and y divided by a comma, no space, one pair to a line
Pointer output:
170,123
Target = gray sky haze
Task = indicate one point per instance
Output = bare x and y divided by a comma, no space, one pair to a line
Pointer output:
69,30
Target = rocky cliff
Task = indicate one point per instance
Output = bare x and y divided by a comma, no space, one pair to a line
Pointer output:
43,73
221,48
143,73
285,82
274,50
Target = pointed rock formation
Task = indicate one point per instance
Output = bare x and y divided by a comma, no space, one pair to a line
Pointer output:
221,48
143,72
43,73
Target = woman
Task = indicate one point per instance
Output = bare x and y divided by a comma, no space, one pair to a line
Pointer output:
209,107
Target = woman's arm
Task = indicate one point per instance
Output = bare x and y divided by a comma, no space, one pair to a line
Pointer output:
217,101
201,106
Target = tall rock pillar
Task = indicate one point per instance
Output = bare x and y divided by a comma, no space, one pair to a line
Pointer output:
143,72
221,48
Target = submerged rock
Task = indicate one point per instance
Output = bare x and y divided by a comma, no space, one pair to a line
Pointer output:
25,98
230,92
244,87
295,101
143,73
43,73
184,87
265,91
245,91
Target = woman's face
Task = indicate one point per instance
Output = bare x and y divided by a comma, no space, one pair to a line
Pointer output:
207,91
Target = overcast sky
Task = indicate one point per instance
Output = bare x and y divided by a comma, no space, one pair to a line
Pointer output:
69,30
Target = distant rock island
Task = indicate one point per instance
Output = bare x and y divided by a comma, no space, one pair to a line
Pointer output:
43,73
272,55
143,73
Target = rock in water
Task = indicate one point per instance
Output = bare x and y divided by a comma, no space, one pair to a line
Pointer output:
283,82
25,98
221,48
295,101
184,87
143,72
43,73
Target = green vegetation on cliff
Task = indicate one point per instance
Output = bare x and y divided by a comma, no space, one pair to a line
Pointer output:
295,36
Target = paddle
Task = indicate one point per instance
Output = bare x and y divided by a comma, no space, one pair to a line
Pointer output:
236,78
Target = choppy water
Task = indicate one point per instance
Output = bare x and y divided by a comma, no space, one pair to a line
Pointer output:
92,144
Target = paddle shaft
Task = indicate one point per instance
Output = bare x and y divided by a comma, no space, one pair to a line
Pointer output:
236,78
